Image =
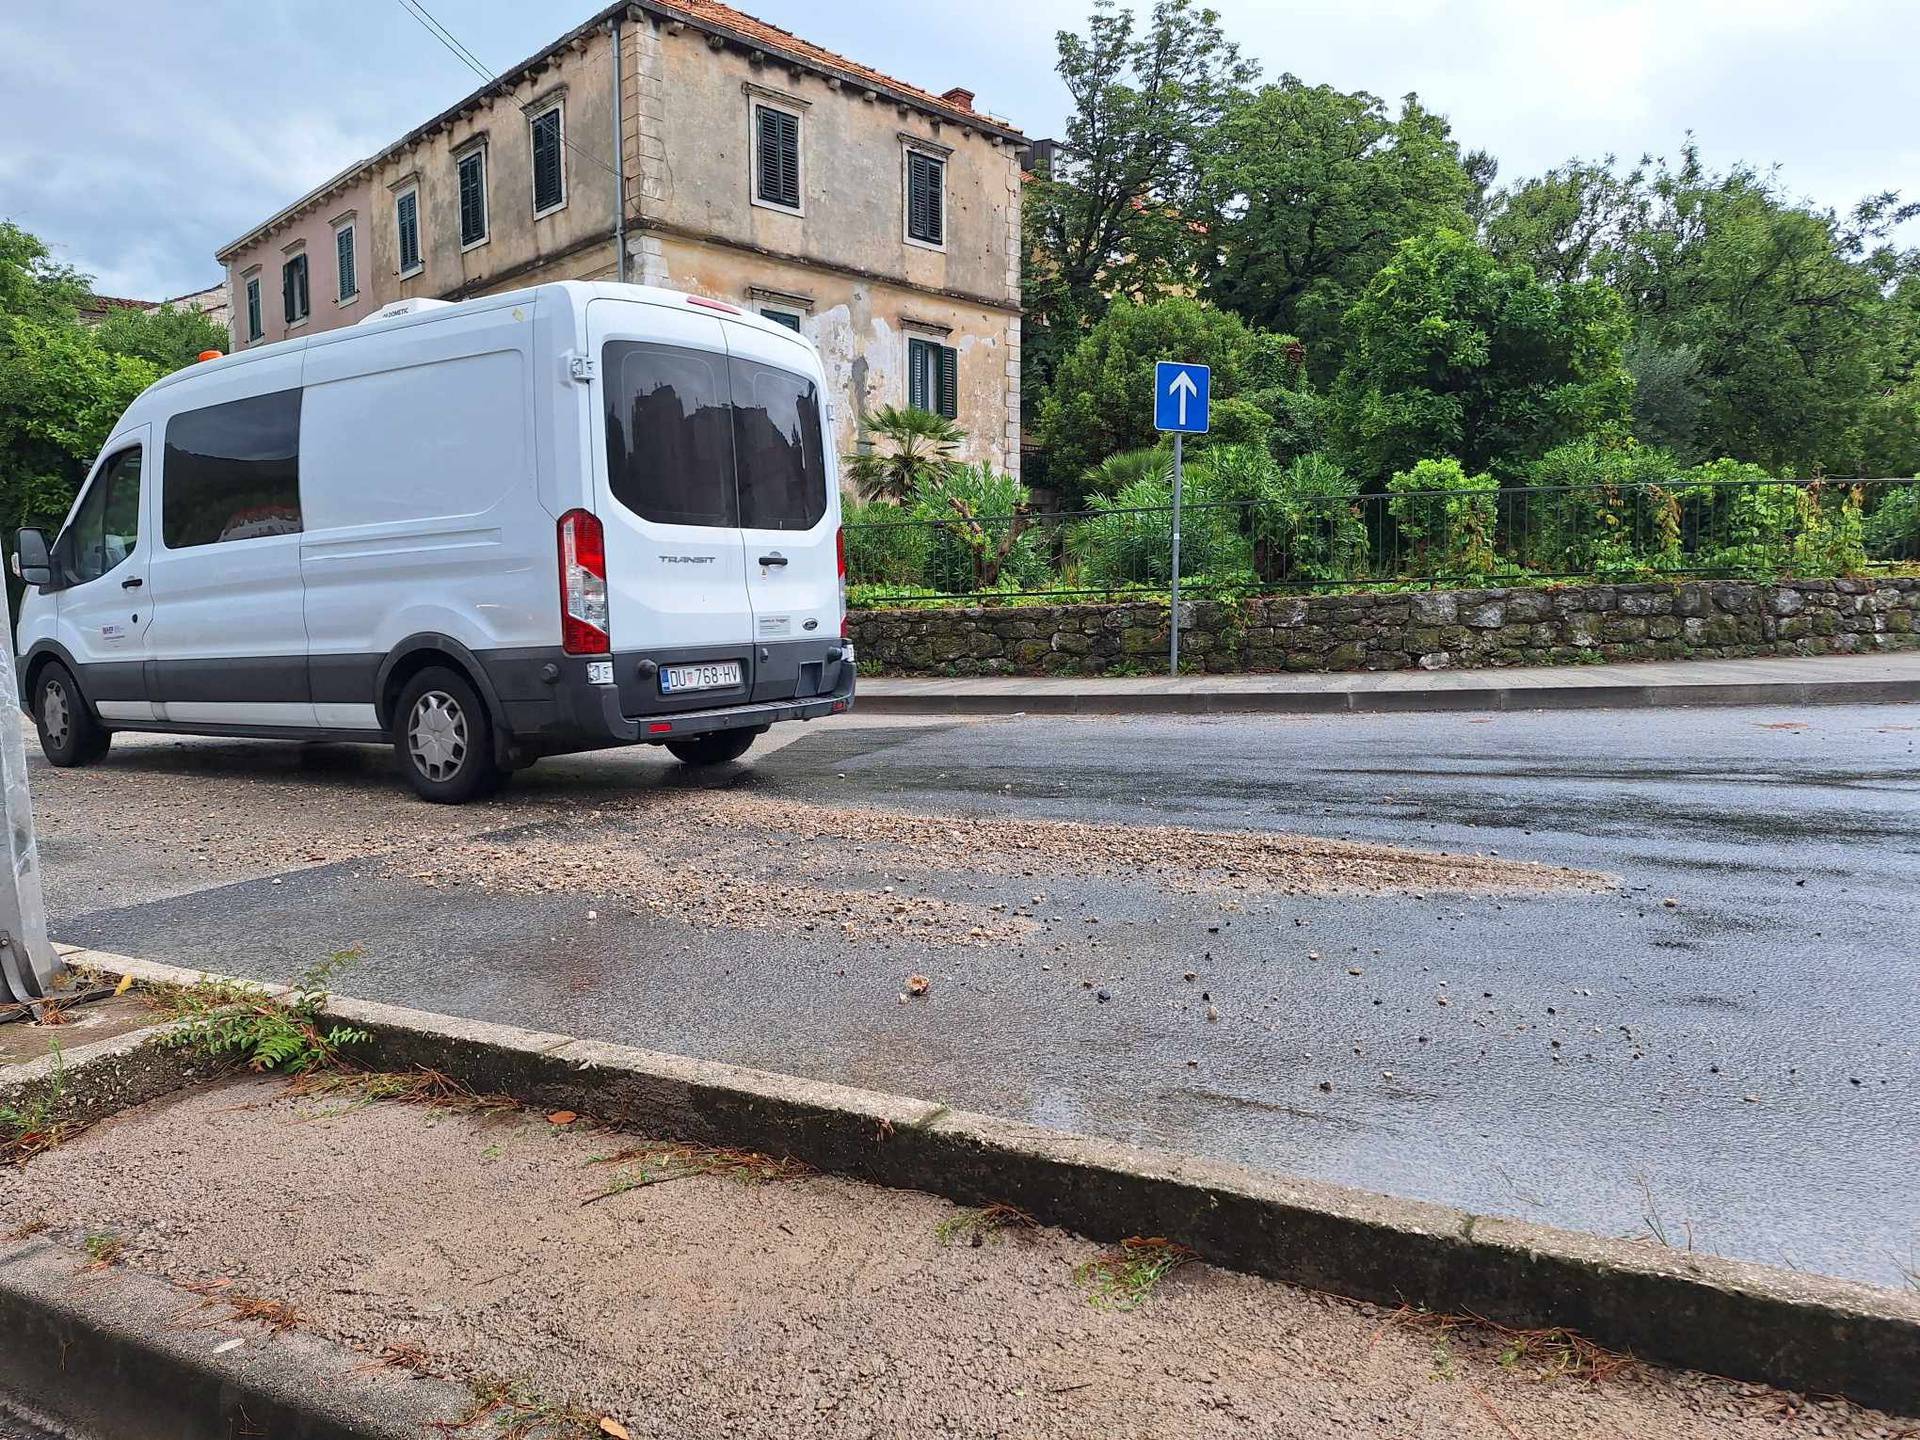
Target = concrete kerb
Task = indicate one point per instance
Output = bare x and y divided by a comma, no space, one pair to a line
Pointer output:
1749,1322
114,1352
1094,700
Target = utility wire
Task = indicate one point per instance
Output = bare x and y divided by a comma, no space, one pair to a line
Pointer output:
467,58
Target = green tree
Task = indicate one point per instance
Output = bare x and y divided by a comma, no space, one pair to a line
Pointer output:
168,337
1113,213
902,447
1101,402
1453,354
1309,189
33,285
1446,518
1797,319
60,394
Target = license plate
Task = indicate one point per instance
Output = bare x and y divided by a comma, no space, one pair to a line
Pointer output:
678,679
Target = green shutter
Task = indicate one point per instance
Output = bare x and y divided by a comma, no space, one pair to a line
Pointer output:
919,352
549,187
926,201
778,181
473,198
949,368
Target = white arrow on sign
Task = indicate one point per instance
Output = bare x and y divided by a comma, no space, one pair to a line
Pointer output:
1184,388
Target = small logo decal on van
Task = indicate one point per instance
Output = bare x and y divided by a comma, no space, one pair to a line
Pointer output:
810,625
689,559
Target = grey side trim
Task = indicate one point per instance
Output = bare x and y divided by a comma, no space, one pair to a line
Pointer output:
262,680
452,649
343,679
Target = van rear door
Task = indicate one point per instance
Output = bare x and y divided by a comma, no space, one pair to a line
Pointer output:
788,519
667,502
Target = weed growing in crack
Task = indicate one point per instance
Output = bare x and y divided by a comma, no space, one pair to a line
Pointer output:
976,1227
30,1127
514,1410
1549,1354
1123,1277
103,1248
233,1022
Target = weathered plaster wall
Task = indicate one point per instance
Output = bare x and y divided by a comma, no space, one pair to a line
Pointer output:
312,232
1431,629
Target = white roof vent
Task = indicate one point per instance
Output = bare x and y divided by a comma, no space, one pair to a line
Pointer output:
396,308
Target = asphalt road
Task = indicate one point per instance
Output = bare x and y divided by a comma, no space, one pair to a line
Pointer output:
1738,1071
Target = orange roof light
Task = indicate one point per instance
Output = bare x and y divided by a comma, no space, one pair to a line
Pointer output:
212,354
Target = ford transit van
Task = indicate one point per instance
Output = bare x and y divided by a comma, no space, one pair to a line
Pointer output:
570,517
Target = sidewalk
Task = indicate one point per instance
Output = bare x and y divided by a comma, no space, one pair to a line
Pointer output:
1791,680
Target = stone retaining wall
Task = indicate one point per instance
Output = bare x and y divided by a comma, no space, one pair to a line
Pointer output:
1440,629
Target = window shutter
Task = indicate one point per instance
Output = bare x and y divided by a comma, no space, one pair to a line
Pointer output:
473,207
253,309
343,250
917,387
779,179
300,283
286,294
925,198
407,215
548,186
949,380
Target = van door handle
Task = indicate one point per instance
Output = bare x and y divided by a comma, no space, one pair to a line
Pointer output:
773,559
134,584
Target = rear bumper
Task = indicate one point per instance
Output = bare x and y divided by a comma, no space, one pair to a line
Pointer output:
551,707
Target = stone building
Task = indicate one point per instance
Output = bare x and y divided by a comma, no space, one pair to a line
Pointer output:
732,160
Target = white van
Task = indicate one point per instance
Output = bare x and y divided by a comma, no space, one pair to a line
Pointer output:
570,517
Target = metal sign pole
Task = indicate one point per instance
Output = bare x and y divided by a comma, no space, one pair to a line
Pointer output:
28,963
1173,613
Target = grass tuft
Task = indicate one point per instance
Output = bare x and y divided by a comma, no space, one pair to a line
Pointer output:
514,1410
976,1227
1546,1354
357,1088
1123,1277
31,1127
104,1248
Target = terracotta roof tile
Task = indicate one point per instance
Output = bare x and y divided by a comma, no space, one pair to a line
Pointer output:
711,12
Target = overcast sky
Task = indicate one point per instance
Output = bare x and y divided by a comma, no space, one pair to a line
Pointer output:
138,138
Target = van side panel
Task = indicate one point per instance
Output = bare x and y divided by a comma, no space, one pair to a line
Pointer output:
227,641
423,515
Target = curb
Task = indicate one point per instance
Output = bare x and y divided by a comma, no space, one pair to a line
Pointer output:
1749,1322
1361,702
116,1353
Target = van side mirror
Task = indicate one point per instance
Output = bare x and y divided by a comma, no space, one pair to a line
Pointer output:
32,561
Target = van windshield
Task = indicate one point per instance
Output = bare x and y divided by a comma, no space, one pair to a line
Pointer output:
694,438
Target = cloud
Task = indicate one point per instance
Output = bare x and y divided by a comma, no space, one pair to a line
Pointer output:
138,139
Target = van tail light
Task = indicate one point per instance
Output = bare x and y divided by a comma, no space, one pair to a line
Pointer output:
840,556
583,584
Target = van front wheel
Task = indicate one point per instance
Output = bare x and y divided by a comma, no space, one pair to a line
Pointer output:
714,749
444,739
69,735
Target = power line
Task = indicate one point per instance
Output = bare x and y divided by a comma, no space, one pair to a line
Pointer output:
467,58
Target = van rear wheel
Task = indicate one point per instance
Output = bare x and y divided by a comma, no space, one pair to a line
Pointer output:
714,749
444,739
69,734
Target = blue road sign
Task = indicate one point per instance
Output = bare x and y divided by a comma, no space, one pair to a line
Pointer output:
1180,396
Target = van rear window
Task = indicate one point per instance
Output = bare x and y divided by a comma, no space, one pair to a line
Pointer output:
232,472
694,438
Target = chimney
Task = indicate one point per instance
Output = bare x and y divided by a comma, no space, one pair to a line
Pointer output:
959,98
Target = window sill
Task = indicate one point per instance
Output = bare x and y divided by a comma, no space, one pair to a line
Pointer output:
477,244
799,211
293,325
409,274
919,244
550,211
345,300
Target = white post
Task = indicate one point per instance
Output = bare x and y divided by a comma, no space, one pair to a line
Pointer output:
27,961
1173,614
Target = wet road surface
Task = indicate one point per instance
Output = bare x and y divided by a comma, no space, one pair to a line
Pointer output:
1739,1071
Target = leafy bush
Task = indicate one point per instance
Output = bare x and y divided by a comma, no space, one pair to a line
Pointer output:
977,531
1831,534
1742,529
1625,526
1446,517
1892,530
1128,540
884,547
1116,472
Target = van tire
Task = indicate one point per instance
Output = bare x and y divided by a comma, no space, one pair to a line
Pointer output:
443,738
715,749
69,732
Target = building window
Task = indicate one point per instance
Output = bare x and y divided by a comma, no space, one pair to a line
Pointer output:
344,258
933,377
473,198
406,221
926,198
549,169
293,288
254,331
232,472
779,315
776,157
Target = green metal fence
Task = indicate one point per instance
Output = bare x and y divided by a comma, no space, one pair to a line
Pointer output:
1754,529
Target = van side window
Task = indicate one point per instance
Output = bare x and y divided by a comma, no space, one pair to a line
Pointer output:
232,472
670,434
106,527
780,460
